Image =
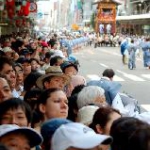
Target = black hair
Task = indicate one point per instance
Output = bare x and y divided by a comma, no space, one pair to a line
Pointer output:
132,40
3,61
102,117
140,139
67,64
122,129
77,89
31,97
73,108
34,59
30,80
15,103
54,60
48,54
46,94
108,73
18,65
22,60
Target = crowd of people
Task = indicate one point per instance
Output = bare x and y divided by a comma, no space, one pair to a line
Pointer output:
131,47
46,104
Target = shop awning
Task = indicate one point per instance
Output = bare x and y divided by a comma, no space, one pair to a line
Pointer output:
133,17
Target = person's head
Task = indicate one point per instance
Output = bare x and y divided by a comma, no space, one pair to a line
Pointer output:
48,128
48,57
15,111
108,73
54,78
5,91
9,53
19,138
69,68
76,136
103,119
6,69
19,72
73,108
35,65
25,52
140,139
122,129
31,97
53,103
77,89
26,66
56,61
76,80
91,95
30,80
7,43
132,40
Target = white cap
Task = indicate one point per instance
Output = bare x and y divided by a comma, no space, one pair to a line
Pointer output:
58,53
7,49
86,113
78,136
33,137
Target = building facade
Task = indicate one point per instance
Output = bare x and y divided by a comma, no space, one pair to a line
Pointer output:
134,17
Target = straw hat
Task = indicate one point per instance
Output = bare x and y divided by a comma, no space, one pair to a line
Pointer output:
52,71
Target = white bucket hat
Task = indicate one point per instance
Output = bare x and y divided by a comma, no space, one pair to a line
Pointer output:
78,136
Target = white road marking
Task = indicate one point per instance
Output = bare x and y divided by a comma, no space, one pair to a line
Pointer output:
118,54
93,77
117,78
146,76
146,107
103,65
130,76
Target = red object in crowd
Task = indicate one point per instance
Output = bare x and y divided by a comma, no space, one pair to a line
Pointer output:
44,44
11,12
10,6
19,22
24,23
10,3
25,10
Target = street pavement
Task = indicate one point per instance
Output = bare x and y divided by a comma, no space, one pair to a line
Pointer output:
93,61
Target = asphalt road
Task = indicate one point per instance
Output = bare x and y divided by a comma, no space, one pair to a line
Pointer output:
93,61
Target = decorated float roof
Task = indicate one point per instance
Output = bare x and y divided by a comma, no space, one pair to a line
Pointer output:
119,2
